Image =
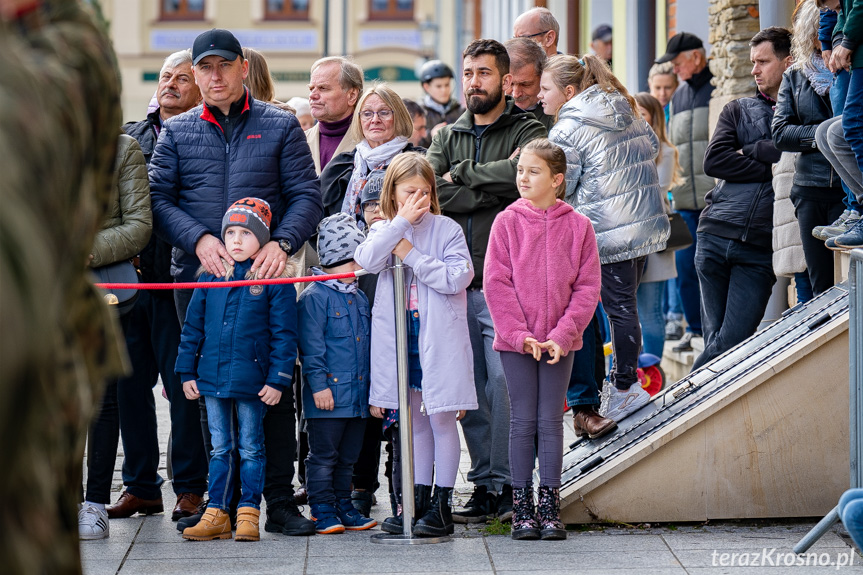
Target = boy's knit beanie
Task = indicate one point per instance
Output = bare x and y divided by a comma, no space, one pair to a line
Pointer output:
338,238
251,213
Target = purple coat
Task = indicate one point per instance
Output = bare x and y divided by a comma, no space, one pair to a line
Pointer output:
442,264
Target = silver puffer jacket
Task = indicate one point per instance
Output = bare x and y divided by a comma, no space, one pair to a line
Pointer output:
611,174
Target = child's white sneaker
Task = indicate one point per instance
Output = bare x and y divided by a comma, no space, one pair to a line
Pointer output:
617,405
92,522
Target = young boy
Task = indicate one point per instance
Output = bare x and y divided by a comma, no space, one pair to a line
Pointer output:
238,350
441,107
335,340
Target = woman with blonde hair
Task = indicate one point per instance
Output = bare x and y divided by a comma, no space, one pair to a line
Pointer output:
382,125
816,193
611,178
259,81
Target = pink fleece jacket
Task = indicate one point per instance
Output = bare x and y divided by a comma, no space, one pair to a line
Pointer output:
541,275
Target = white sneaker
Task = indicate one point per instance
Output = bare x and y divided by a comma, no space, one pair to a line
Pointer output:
92,522
617,405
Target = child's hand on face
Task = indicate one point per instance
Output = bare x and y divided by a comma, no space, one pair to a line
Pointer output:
190,389
532,346
402,249
415,207
324,400
270,395
376,411
554,350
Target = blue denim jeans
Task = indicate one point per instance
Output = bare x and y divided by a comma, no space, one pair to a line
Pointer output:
852,117
649,298
736,282
838,94
334,446
851,514
687,278
583,387
248,440
671,299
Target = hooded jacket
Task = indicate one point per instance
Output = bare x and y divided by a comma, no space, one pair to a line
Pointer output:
482,172
611,174
236,340
542,276
441,265
688,130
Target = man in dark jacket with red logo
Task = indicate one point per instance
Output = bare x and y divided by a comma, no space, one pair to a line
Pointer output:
229,148
734,257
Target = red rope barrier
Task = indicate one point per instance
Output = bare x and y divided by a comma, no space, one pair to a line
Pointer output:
229,284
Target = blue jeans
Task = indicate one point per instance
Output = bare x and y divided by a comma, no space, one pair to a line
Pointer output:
486,429
672,298
851,514
649,298
687,278
334,446
248,440
583,388
736,282
838,94
852,117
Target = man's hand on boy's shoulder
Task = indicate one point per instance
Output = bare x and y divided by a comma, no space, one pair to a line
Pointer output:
190,389
270,395
324,400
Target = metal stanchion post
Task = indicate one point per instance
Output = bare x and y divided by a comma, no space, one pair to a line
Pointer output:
405,427
855,366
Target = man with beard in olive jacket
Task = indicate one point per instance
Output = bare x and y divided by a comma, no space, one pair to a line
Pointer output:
475,161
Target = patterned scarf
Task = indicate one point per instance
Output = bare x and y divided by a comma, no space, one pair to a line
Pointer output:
367,159
818,75
335,284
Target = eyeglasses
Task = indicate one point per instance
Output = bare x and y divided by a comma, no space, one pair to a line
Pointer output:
371,206
383,115
532,35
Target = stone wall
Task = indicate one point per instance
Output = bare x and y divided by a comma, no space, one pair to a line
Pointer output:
733,23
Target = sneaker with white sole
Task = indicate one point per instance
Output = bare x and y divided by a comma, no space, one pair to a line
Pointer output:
92,522
620,404
838,229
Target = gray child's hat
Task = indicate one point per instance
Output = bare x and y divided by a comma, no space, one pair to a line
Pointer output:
338,238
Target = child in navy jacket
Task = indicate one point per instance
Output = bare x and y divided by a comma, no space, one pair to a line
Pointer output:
238,350
335,337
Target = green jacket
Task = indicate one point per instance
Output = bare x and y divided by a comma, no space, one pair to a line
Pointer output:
482,172
127,227
850,24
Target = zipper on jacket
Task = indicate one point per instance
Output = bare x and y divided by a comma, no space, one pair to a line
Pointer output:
692,154
751,213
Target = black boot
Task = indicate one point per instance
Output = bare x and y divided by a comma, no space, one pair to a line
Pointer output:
437,521
422,499
551,528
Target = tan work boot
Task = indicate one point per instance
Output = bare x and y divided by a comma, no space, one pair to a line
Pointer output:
215,524
247,524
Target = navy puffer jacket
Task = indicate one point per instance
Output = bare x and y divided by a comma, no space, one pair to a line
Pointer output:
195,176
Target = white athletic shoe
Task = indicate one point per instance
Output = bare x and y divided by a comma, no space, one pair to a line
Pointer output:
92,522
617,405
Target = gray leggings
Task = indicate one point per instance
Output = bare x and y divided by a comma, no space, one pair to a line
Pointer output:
537,392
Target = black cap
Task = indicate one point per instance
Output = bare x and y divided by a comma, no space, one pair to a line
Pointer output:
216,42
680,43
602,32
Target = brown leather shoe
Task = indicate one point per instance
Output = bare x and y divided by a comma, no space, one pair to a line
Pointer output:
188,504
127,505
589,423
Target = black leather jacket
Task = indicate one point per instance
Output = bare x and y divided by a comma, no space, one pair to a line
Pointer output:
799,111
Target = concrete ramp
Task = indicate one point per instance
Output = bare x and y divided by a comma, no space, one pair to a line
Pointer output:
761,431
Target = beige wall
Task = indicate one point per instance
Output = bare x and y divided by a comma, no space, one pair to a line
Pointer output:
142,41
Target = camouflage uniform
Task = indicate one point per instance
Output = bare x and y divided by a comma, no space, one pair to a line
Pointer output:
59,119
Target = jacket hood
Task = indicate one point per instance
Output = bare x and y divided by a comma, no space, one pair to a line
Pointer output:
527,210
596,107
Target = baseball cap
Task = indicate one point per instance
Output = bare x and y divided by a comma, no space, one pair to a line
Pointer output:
216,42
602,32
680,43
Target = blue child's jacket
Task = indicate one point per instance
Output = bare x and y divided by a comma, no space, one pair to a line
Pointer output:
335,338
236,340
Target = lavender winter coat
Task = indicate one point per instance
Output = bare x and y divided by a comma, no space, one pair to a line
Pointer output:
441,261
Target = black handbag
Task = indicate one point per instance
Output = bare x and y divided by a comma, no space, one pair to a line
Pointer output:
680,238
119,272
